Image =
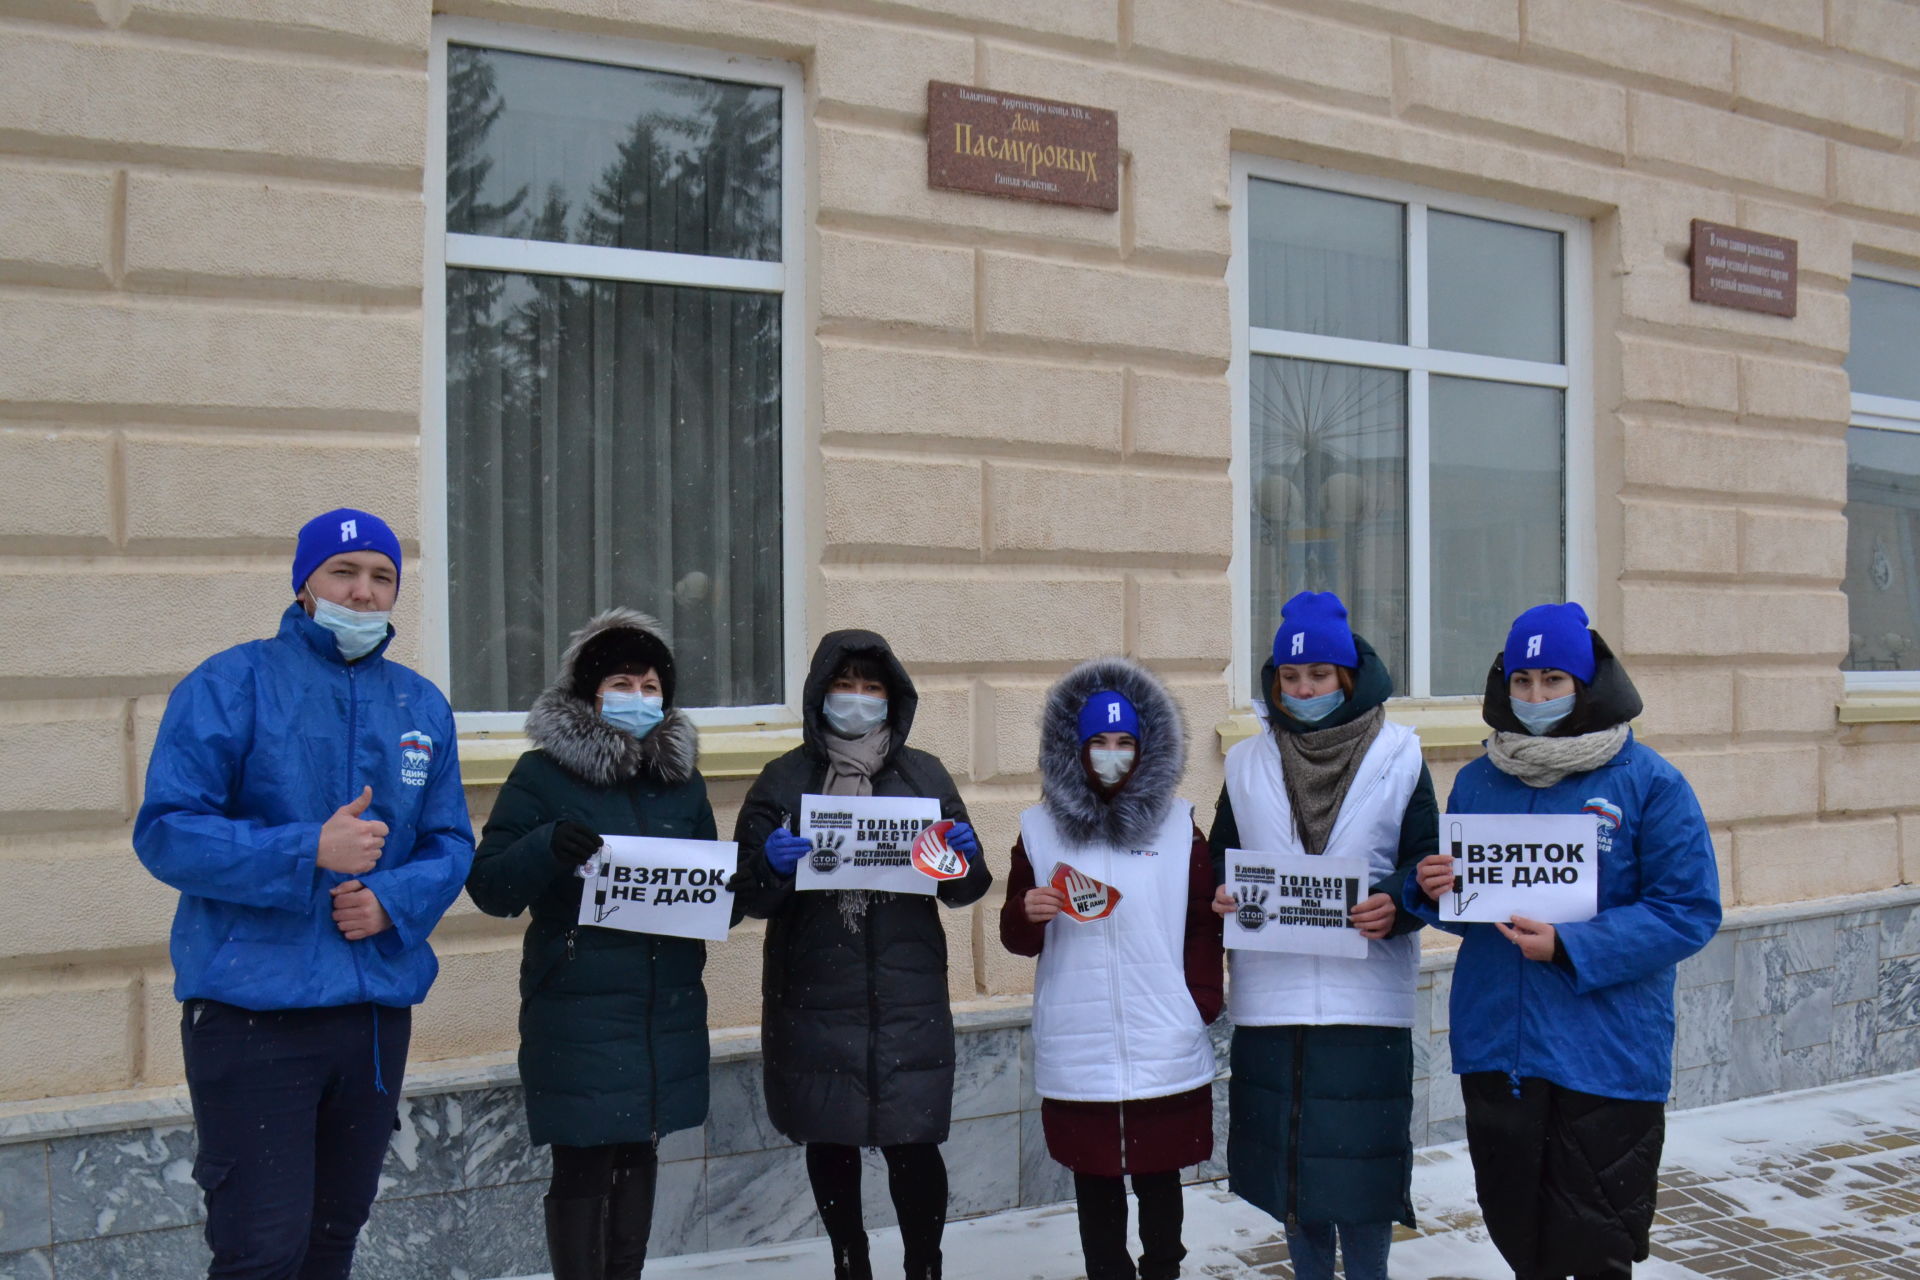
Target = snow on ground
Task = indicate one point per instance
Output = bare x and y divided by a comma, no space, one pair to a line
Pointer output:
1791,1161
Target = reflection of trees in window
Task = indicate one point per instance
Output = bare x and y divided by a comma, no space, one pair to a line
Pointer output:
618,442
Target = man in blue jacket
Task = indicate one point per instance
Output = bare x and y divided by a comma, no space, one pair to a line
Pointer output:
304,798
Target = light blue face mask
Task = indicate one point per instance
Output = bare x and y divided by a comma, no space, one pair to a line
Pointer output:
358,634
1314,709
1539,717
637,713
854,715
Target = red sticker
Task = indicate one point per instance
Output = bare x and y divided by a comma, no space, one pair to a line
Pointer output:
935,857
1087,898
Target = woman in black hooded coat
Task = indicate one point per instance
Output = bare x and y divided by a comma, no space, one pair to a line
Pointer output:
856,1028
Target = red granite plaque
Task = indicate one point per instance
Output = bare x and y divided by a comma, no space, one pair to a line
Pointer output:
1745,269
1012,144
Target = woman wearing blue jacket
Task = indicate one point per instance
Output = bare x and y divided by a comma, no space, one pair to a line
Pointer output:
1563,1035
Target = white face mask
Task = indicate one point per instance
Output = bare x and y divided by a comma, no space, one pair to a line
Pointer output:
854,715
358,634
1110,764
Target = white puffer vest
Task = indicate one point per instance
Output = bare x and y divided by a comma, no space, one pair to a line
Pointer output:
1273,989
1112,1017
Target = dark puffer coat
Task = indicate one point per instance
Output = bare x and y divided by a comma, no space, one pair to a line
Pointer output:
857,1033
613,1025
1320,1114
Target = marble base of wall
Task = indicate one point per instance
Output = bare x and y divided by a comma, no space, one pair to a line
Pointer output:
1784,998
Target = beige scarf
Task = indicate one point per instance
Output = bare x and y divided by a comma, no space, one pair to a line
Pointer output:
851,764
1541,762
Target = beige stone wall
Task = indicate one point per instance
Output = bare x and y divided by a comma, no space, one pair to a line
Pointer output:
210,327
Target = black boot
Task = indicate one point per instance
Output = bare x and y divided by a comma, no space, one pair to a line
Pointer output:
577,1237
1161,1213
630,1220
849,1261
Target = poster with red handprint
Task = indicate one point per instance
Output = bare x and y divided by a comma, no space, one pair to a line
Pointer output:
933,856
1087,899
1295,902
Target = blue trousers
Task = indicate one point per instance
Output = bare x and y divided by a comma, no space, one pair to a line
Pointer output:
294,1108
1363,1247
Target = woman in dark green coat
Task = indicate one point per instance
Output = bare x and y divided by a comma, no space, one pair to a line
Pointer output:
613,1025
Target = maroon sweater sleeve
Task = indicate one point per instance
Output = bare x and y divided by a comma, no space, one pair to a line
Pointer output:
1204,954
1017,933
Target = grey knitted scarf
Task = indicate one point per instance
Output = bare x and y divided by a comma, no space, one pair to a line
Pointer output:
1318,767
1541,762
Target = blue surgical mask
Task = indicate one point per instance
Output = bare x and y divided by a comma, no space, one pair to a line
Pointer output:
1315,709
358,634
637,713
1539,717
854,715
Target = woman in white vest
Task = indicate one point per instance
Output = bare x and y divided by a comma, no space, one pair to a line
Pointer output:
1110,885
1322,1087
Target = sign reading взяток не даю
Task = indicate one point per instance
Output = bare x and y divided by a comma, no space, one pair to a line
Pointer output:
1026,148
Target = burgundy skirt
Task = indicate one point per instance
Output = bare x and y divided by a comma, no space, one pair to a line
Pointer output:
1150,1135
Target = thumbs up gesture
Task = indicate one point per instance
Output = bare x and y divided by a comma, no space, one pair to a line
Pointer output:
348,843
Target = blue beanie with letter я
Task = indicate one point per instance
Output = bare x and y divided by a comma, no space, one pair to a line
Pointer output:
1108,712
1554,636
340,530
1313,628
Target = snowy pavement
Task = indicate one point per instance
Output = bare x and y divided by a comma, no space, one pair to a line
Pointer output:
1822,1183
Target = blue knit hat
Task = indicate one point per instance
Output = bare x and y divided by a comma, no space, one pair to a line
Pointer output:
340,530
1108,712
1313,628
1553,636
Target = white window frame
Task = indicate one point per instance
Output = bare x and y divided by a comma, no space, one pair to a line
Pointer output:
1419,362
786,277
1885,413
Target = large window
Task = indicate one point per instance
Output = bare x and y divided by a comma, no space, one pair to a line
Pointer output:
1410,379
1883,480
611,388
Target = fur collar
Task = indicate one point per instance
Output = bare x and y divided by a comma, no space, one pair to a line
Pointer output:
1131,817
579,741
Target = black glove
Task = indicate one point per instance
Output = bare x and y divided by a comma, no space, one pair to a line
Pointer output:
573,844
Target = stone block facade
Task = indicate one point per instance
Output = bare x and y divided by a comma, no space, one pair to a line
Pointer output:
214,274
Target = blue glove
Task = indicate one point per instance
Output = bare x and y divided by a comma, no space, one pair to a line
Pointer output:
964,842
785,849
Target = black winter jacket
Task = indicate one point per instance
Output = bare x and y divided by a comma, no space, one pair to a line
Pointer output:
856,1029
613,1025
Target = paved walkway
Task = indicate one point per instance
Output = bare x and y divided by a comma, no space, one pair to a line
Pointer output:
1823,1183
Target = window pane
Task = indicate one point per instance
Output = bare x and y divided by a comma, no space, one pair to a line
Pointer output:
1493,288
1330,497
1883,528
1497,457
584,153
1323,262
610,444
1885,358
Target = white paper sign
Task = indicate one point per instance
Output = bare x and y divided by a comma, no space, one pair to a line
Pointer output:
1541,866
1295,902
864,842
677,888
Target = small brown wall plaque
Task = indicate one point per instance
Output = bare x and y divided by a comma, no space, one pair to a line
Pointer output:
1745,269
1011,144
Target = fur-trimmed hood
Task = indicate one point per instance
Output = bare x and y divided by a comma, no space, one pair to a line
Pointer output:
1132,816
570,729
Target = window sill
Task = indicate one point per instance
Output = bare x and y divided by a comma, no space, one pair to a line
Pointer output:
487,759
1885,706
1441,724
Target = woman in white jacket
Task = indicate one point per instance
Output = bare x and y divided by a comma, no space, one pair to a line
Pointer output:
1322,1088
1122,997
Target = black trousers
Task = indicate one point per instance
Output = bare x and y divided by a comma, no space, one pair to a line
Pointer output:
582,1172
917,1181
1102,1203
294,1110
1566,1180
